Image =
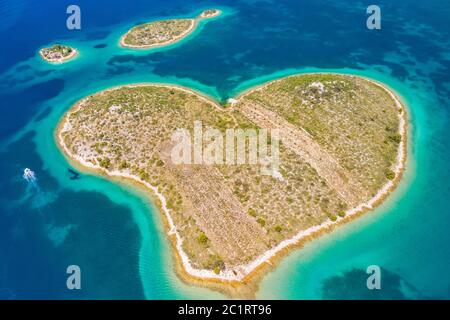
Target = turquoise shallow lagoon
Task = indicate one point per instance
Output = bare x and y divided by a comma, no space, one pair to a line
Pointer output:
115,234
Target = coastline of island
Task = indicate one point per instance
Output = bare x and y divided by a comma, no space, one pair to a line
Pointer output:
58,54
193,24
245,283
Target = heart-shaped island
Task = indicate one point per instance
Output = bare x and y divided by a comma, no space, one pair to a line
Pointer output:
318,150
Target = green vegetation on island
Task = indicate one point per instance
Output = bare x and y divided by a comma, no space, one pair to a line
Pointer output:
57,53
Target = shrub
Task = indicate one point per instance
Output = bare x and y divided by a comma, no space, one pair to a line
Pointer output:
390,174
261,221
278,228
216,263
105,163
396,138
143,175
159,163
202,238
123,165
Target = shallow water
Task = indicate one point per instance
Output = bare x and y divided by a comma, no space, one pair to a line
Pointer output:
115,235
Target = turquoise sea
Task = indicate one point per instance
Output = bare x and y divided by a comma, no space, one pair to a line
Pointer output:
115,234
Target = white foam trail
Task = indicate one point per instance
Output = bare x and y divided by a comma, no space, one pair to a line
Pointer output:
29,175
37,197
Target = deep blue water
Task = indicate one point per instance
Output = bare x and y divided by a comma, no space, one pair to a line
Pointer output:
114,234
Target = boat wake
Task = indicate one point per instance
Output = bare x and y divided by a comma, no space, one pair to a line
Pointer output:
30,177
39,199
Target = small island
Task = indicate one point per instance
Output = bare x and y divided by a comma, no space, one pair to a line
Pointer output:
210,13
342,151
163,32
58,53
